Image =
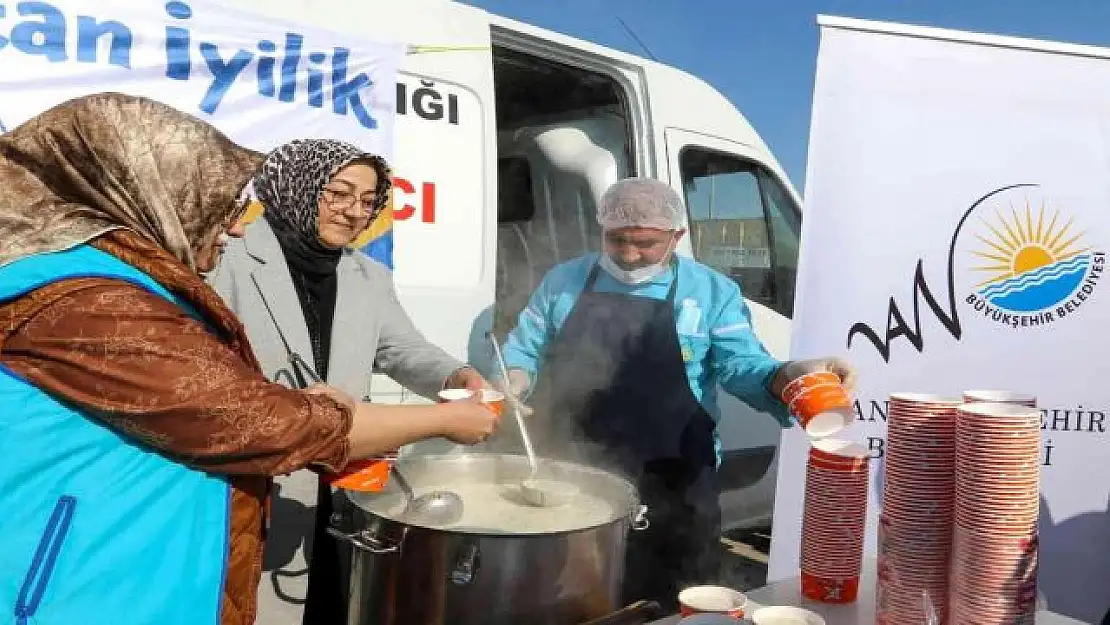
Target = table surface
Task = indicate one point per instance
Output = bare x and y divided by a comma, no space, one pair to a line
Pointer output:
862,612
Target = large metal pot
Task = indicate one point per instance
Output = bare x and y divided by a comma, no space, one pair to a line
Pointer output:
405,573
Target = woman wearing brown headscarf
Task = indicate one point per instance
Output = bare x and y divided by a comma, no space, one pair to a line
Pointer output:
137,435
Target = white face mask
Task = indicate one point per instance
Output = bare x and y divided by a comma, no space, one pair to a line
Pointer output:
640,275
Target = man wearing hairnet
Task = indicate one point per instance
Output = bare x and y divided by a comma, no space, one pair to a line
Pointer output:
624,349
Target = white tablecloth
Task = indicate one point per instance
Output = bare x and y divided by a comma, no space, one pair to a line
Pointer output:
862,612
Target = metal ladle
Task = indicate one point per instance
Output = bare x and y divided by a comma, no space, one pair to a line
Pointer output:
515,405
439,507
537,492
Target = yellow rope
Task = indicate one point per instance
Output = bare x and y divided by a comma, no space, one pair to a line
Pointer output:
430,49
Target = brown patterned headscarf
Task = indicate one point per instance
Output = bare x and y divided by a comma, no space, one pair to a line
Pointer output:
133,177
112,161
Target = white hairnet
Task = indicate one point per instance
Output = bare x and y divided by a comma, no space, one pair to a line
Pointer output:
640,203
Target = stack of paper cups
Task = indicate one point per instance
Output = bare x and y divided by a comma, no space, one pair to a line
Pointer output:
833,521
994,556
1007,397
915,525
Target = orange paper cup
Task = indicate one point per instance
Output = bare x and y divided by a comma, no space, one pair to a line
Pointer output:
712,600
493,400
809,380
822,409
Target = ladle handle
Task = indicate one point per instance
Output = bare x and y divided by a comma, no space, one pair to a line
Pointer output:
527,439
402,482
514,405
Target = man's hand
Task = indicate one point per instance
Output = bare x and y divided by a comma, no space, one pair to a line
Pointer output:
517,385
519,381
467,378
797,368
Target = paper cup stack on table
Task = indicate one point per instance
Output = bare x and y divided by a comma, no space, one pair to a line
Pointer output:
820,403
835,508
997,501
834,517
915,525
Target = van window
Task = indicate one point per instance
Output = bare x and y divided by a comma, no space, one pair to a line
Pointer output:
744,224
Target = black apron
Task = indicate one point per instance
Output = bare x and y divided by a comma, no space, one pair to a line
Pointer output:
615,378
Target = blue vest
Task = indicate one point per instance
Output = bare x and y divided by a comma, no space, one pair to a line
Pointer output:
95,528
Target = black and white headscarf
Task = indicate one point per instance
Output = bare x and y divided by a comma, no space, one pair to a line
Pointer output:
293,176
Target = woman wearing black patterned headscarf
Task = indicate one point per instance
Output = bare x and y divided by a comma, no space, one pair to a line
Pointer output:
319,196
305,296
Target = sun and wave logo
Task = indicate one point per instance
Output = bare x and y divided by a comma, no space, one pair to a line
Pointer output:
1029,268
1034,266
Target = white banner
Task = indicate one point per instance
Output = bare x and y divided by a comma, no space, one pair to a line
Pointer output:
260,80
955,235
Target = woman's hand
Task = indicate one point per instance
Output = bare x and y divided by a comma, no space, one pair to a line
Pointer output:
468,378
379,428
468,421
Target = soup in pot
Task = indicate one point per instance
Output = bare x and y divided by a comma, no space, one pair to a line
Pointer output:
492,500
501,509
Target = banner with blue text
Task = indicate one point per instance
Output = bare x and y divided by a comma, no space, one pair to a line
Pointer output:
262,81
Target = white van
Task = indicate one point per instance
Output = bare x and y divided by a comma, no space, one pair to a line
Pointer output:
506,136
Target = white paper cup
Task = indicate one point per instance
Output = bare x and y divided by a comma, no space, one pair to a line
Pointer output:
785,615
719,600
494,400
455,394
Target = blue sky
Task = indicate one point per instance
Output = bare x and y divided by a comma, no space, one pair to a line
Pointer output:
761,53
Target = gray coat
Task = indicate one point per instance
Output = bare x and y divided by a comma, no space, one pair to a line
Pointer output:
370,331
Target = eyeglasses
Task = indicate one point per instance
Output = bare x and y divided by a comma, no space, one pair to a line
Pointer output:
343,201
